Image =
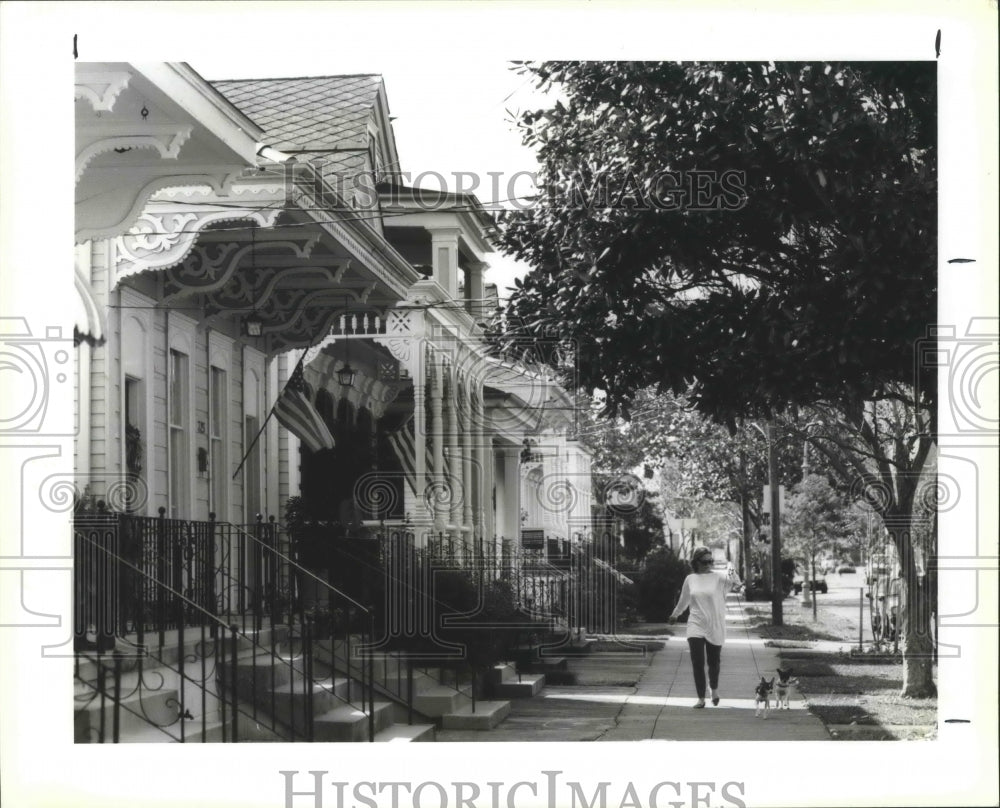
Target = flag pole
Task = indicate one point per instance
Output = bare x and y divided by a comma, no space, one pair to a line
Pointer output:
266,420
271,412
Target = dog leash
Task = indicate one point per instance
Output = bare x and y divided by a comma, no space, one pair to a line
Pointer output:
746,628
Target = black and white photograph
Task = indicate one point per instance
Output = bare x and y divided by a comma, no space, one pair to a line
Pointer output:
510,377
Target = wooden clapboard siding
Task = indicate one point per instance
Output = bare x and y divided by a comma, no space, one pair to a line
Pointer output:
133,315
99,426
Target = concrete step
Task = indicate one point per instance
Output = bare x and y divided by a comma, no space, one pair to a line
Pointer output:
289,702
436,700
193,733
346,723
257,677
502,672
531,684
137,710
486,716
400,688
406,733
539,663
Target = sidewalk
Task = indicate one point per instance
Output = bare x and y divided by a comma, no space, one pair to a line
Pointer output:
659,707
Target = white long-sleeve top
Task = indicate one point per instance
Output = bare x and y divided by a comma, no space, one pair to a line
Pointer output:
705,594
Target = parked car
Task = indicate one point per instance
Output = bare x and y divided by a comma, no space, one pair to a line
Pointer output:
818,584
847,567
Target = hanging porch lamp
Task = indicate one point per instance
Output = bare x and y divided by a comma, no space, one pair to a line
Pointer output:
346,374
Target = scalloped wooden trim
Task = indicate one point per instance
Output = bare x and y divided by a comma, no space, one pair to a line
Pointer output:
219,183
101,89
132,261
301,248
167,143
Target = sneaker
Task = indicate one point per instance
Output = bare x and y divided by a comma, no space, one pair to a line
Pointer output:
699,704
715,699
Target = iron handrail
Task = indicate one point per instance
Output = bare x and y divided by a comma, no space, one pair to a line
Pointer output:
298,567
209,620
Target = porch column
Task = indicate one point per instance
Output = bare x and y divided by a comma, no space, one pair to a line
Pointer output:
479,512
467,438
477,289
454,454
512,486
437,429
420,516
444,258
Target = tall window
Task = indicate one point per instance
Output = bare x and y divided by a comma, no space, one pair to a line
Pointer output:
135,434
179,409
217,436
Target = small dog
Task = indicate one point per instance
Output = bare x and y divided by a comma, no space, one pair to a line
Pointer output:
785,681
762,696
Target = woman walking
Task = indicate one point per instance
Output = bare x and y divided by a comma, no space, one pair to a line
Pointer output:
704,592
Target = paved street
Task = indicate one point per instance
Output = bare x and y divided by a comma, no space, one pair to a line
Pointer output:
658,707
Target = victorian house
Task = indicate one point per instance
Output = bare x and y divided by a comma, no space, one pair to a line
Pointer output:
287,394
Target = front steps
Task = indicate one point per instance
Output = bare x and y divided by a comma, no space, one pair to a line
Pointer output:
154,697
434,697
271,690
485,715
506,682
537,658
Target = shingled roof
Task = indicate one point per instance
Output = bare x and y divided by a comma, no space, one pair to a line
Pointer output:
319,112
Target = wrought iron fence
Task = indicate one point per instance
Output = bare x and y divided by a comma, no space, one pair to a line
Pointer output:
173,616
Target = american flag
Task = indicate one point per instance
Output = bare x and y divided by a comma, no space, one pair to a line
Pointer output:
404,447
296,413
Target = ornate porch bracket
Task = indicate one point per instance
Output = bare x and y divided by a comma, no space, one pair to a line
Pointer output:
162,238
101,88
167,140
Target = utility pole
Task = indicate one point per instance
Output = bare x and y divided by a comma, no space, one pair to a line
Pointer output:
745,513
777,592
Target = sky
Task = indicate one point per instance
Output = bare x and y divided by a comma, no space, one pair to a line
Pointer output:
451,121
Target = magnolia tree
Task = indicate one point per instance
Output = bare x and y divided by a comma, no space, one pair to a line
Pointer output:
884,450
759,237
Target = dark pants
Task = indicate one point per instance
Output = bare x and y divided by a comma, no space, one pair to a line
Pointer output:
699,646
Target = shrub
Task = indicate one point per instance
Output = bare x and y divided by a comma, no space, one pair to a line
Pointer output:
660,583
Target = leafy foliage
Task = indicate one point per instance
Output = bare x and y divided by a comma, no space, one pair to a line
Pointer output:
660,583
808,276
642,530
815,517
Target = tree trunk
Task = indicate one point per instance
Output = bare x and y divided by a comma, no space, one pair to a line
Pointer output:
914,622
747,577
814,592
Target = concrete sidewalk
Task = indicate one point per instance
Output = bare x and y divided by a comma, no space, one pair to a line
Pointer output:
659,707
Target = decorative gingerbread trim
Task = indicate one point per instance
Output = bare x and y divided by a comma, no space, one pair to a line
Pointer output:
149,192
164,238
167,141
101,89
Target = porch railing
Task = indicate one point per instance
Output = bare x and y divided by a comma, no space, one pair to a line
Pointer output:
204,616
